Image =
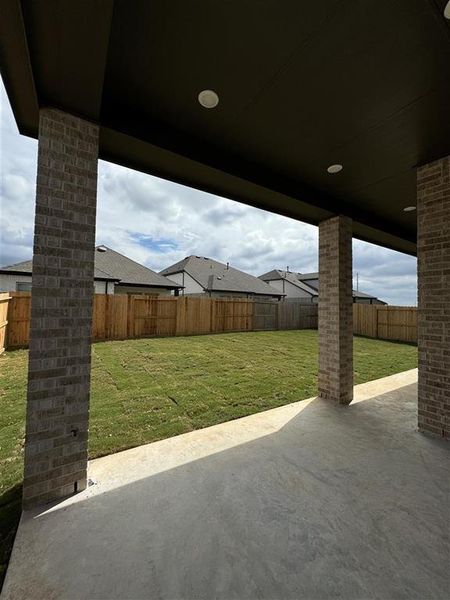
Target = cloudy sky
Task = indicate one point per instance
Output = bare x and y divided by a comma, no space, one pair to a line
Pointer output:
157,223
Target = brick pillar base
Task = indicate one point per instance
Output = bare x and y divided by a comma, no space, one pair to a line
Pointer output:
335,310
61,308
433,270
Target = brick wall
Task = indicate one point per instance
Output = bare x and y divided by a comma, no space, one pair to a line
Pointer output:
335,310
433,253
61,312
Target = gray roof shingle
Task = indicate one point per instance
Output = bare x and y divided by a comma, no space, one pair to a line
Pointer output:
216,276
26,267
22,267
114,266
129,271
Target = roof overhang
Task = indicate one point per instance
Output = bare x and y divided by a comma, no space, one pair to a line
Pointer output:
301,86
10,272
113,279
30,274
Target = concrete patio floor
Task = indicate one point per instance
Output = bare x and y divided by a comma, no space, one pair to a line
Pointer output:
310,500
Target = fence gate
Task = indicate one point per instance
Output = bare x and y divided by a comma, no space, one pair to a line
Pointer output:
265,315
231,315
152,315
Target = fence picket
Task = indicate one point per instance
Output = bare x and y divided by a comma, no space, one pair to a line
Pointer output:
4,302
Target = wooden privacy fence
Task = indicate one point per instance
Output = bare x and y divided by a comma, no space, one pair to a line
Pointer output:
124,316
118,317
18,318
396,323
4,301
133,316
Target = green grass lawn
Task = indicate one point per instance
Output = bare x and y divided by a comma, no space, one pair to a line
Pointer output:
149,389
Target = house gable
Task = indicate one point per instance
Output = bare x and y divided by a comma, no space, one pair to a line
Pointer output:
216,277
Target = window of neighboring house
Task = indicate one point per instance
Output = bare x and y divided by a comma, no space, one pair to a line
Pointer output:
23,286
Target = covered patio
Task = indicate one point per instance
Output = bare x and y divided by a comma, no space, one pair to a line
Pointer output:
333,113
304,501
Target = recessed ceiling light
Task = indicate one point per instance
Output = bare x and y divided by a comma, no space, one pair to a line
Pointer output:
208,99
447,10
334,168
409,208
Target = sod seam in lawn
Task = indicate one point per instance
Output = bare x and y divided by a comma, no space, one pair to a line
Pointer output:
149,389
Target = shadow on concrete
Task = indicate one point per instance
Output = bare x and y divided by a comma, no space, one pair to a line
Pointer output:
10,510
340,502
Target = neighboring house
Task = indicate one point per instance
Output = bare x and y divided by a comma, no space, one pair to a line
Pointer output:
17,278
305,286
133,277
204,276
114,273
362,298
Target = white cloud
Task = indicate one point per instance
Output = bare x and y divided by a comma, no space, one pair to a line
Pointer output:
157,222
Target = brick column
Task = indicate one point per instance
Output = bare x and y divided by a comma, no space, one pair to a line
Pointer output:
61,308
433,270
335,310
